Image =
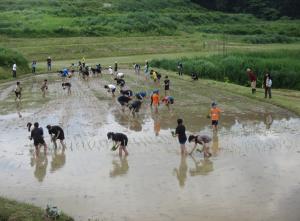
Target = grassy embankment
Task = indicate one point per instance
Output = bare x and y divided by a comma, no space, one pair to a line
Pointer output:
220,91
7,59
283,66
12,210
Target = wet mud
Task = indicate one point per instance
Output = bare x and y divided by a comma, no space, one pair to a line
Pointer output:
253,173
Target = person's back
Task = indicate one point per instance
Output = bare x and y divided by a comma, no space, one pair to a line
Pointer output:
215,113
203,138
111,86
55,129
18,88
155,98
119,137
37,134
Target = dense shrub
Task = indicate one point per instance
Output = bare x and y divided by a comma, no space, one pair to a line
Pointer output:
8,58
283,66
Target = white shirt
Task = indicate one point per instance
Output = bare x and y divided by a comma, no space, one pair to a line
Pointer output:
269,82
120,75
111,86
14,67
18,89
110,70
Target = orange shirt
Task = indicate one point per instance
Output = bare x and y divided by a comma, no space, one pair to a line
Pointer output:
215,113
155,98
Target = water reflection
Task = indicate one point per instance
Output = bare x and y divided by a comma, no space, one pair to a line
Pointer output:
181,172
135,125
268,120
202,167
18,108
120,167
58,159
215,144
156,125
40,162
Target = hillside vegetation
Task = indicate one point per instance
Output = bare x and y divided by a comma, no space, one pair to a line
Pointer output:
44,18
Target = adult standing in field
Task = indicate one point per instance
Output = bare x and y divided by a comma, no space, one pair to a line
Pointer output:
146,70
252,78
14,70
116,67
268,86
33,67
180,68
137,69
49,63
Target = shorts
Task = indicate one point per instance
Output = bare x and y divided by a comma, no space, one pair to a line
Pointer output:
214,122
113,90
39,141
253,84
18,94
182,141
61,137
124,142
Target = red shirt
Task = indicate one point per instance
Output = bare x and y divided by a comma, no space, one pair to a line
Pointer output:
252,76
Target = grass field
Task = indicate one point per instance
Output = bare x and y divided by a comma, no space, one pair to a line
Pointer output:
12,210
287,99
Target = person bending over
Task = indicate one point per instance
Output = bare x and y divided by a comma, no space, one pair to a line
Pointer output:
203,140
56,133
120,141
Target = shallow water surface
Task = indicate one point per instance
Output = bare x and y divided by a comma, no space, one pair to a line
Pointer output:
252,175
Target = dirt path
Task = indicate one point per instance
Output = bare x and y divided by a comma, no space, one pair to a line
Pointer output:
254,169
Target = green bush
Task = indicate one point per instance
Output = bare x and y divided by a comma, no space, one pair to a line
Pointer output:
283,65
7,59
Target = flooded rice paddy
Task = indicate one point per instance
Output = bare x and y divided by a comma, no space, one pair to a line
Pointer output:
253,173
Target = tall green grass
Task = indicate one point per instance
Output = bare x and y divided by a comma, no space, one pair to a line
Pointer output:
7,58
284,67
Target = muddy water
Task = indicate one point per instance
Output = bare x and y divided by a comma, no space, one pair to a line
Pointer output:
253,174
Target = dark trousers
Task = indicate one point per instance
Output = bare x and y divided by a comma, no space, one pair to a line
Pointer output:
14,74
268,91
33,70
